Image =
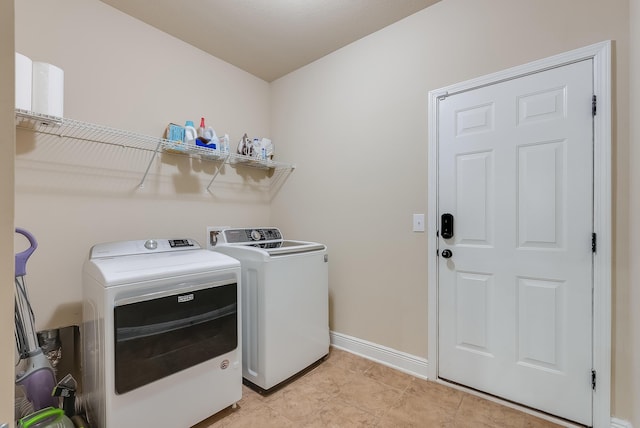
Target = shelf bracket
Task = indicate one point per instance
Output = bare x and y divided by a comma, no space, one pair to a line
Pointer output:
222,163
146,172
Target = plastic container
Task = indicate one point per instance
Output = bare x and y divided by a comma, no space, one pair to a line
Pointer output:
210,134
201,128
190,134
224,144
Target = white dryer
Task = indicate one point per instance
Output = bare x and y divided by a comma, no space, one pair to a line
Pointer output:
285,302
161,333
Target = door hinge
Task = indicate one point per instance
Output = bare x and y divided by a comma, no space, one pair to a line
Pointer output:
593,380
594,104
594,242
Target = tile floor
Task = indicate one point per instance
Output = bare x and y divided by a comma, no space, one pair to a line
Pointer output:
348,391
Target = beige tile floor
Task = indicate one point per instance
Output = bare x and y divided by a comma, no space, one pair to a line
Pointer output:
349,391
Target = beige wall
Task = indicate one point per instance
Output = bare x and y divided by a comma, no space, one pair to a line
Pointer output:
122,73
7,152
628,343
356,123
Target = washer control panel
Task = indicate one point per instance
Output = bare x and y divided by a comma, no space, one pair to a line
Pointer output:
240,236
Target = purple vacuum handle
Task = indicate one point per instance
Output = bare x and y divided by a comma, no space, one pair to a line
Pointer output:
22,257
39,386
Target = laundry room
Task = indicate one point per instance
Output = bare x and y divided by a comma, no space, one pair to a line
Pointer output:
350,167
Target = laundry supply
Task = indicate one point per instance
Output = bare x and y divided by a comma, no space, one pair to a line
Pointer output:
175,133
207,136
224,144
202,142
210,134
258,151
201,128
267,146
190,133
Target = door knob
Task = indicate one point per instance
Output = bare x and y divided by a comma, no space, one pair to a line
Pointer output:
447,254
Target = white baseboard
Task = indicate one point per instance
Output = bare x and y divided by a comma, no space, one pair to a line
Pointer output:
619,423
407,363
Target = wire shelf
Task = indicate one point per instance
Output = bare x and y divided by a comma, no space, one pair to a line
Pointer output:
84,131
75,129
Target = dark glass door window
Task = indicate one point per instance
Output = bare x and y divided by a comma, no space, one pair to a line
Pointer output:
156,338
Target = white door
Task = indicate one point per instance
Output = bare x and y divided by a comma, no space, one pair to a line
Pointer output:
515,170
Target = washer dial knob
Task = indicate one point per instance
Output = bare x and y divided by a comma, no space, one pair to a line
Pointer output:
256,235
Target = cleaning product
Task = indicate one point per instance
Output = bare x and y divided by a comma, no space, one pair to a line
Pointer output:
174,133
190,133
210,134
201,128
224,144
267,146
207,136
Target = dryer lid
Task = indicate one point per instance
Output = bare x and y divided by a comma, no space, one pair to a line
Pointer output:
123,263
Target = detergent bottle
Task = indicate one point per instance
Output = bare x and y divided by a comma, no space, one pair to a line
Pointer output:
190,134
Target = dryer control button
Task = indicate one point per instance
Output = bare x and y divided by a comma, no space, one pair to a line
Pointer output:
151,244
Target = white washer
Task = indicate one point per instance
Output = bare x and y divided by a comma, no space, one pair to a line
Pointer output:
285,303
161,333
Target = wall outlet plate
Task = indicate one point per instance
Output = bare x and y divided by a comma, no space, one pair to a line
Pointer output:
212,235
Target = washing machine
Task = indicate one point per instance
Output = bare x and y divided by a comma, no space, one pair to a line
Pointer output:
285,302
162,333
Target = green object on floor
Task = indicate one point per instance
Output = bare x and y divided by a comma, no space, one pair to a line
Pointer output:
49,417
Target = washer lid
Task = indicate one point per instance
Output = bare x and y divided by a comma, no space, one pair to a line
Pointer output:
289,247
268,250
267,241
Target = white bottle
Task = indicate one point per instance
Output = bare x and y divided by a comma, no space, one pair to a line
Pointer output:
257,149
224,144
210,135
190,134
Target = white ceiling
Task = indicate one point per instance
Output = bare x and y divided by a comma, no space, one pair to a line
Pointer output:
269,38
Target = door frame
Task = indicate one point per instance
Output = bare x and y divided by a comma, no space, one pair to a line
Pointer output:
600,53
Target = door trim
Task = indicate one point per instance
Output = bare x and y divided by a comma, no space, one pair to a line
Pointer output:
600,53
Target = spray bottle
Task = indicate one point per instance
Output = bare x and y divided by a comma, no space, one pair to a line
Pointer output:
201,128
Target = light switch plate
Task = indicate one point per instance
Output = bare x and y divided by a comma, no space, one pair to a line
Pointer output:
418,222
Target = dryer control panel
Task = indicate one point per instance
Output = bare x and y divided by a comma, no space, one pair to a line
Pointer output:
128,248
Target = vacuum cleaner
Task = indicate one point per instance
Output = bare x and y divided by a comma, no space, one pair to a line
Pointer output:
34,372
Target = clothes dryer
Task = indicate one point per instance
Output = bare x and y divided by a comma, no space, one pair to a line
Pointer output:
161,333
